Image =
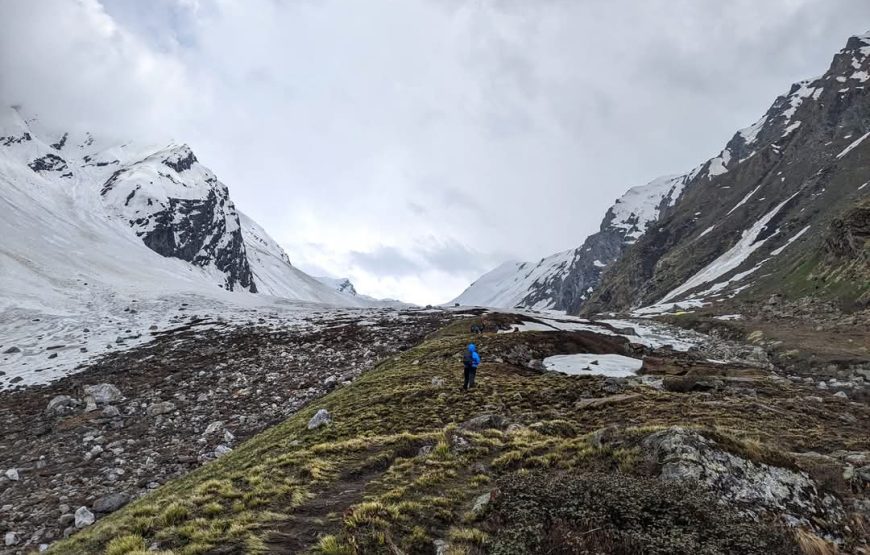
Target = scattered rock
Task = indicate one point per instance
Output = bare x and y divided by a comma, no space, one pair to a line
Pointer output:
222,450
66,519
437,382
161,408
485,422
841,394
111,502
111,411
61,405
84,517
11,539
321,418
441,547
481,502
214,427
11,350
103,393
603,401
12,474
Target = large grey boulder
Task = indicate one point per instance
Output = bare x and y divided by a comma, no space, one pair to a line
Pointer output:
111,502
103,393
161,408
84,517
321,418
485,422
682,454
61,405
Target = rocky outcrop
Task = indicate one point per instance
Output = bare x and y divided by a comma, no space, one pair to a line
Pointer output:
755,487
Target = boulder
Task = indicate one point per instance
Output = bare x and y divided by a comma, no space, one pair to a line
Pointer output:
111,411
61,405
214,427
485,422
755,487
103,393
84,517
12,474
161,408
66,519
322,417
11,539
481,502
437,382
111,502
222,450
12,350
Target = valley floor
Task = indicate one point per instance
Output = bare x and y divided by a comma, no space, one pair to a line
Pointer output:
714,447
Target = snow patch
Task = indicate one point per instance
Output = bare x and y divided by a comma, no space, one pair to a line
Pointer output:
852,146
614,366
794,238
731,259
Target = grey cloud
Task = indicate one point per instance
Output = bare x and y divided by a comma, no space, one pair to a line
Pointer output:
385,261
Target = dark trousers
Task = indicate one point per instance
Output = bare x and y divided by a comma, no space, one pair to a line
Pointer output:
469,377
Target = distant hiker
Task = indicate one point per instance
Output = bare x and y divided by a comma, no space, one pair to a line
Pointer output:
470,361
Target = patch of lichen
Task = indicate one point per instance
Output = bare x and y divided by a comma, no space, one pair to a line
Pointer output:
396,433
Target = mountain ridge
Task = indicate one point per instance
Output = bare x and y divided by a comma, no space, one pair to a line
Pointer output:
668,248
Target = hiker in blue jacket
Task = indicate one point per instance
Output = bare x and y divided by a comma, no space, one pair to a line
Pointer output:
470,361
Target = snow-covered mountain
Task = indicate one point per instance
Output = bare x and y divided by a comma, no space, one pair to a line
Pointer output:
563,281
798,176
76,209
342,285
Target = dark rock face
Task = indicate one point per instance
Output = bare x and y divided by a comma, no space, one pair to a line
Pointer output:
180,161
49,163
799,171
190,230
203,229
570,289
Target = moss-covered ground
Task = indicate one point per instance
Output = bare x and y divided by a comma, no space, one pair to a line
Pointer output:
406,457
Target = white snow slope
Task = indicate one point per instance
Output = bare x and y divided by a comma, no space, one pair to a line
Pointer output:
74,271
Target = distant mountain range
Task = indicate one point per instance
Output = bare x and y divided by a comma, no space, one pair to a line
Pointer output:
784,207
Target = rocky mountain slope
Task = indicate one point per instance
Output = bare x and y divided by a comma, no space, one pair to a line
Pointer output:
783,207
130,216
565,280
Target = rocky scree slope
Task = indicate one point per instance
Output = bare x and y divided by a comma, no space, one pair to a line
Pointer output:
127,215
694,456
783,208
136,419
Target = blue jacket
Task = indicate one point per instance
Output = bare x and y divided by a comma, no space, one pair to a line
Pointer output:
472,359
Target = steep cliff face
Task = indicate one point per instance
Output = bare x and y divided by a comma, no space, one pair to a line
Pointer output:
179,209
763,214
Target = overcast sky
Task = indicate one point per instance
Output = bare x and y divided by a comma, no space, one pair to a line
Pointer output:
412,145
